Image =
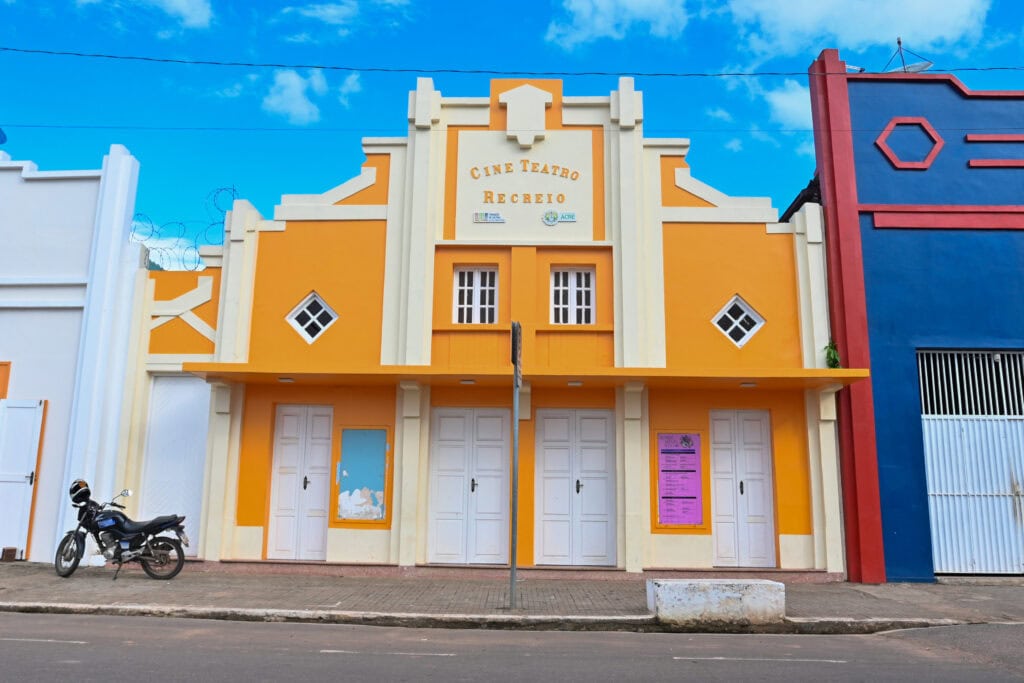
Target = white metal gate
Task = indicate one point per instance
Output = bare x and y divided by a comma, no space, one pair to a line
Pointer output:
972,414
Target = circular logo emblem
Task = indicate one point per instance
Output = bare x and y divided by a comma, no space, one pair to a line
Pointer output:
550,218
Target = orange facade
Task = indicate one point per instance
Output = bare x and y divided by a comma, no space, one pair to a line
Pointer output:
649,357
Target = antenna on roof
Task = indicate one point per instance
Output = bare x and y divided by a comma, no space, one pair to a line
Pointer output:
913,68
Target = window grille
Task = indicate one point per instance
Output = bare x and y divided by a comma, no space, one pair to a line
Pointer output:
738,321
311,317
476,295
572,296
971,382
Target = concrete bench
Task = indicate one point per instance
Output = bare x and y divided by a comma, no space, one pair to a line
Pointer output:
716,601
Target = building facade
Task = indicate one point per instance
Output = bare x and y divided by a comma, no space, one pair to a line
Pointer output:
67,282
336,385
922,181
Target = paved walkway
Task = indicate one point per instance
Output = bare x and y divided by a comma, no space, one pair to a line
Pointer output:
449,599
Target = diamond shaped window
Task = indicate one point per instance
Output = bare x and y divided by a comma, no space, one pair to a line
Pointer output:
738,321
311,317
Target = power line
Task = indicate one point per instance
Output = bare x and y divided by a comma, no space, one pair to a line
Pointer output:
401,132
411,70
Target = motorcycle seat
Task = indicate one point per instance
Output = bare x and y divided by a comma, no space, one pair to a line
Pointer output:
150,525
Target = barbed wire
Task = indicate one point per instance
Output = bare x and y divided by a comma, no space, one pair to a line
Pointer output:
172,245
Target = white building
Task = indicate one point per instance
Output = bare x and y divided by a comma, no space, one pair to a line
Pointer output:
67,282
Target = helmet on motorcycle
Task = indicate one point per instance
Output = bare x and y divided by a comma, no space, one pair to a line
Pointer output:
79,492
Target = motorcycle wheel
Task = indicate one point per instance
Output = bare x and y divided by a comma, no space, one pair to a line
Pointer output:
67,557
164,559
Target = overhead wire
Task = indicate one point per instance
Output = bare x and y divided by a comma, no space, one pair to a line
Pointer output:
447,70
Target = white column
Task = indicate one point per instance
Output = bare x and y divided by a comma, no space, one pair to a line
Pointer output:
408,470
216,479
635,487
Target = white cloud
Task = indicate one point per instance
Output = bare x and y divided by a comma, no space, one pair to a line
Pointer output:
796,26
334,14
317,81
591,20
805,149
760,136
237,89
720,114
192,13
790,105
734,145
350,86
232,91
288,96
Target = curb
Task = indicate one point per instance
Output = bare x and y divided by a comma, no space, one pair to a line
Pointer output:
411,620
640,623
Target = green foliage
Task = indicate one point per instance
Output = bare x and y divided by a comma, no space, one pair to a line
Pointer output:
832,355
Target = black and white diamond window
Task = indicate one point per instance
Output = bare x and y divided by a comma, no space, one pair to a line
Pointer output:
738,321
311,317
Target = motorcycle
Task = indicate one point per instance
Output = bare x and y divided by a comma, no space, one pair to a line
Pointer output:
120,539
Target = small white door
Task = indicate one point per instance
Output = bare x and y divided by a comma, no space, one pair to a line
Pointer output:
575,488
300,488
742,499
469,486
175,463
20,425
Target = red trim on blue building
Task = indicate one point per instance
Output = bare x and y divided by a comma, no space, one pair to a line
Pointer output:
858,451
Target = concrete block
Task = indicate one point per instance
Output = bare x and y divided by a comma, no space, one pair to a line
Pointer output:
717,601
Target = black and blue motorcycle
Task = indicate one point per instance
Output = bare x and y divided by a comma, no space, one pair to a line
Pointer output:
120,539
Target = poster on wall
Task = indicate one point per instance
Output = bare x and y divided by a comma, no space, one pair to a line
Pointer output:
680,498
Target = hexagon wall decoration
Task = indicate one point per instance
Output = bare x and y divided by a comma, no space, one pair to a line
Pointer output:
922,123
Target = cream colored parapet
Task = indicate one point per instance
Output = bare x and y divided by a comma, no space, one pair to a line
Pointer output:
807,226
724,209
241,241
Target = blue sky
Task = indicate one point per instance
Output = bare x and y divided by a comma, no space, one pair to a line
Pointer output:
268,131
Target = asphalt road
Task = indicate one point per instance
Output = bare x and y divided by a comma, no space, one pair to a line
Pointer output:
45,647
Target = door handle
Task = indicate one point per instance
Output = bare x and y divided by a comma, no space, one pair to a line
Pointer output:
305,482
31,476
741,488
472,485
578,486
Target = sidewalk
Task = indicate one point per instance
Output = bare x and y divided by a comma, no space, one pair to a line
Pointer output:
446,599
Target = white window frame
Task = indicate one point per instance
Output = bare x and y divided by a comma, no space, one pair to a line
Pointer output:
565,305
748,311
300,328
477,310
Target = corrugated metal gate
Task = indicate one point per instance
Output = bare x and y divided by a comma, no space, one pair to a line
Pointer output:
972,414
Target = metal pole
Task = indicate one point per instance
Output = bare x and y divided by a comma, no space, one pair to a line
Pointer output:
515,493
517,379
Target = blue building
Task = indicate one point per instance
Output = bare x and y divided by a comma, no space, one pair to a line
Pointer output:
922,181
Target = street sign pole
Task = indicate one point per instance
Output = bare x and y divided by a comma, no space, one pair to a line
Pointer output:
517,380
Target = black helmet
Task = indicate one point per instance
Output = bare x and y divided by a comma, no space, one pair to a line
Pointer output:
79,492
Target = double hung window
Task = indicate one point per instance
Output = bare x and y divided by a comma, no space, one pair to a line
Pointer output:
476,295
572,296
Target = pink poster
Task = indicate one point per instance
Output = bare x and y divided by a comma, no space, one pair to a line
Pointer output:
679,480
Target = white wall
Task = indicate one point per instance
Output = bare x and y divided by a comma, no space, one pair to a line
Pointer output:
66,269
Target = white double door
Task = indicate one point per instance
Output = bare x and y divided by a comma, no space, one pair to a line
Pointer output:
20,425
742,500
469,486
301,484
575,488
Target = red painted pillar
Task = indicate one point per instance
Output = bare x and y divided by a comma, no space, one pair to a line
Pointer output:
833,139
